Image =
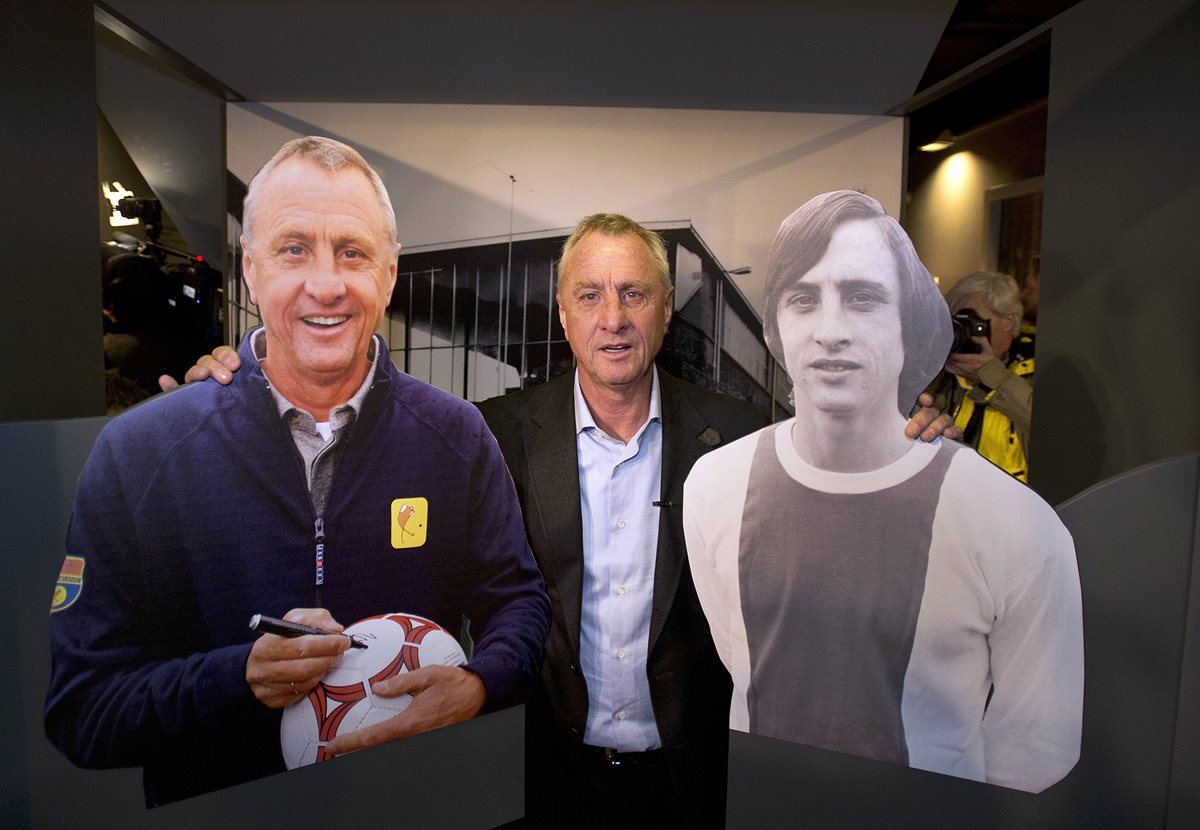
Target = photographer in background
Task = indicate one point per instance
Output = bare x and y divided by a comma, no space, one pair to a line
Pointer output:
140,342
987,385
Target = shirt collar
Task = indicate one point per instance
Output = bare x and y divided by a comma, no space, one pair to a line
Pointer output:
338,415
583,415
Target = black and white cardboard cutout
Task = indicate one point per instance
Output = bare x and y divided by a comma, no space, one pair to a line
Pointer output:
898,600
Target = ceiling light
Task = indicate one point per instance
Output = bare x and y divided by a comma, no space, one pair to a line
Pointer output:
946,139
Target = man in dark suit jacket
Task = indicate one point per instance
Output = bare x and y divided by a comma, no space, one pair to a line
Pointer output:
614,302
689,689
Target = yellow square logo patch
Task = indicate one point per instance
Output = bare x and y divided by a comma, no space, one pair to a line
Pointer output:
410,521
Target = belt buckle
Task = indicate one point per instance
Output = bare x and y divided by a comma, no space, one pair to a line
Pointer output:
612,756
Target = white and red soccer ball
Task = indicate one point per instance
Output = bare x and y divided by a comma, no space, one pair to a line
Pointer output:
342,702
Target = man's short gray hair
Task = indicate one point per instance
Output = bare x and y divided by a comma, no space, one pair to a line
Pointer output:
328,154
999,291
616,224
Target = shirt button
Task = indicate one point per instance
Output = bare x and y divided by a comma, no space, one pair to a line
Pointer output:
621,591
621,715
620,654
620,523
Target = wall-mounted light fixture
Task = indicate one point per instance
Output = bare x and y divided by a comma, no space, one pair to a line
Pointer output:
944,140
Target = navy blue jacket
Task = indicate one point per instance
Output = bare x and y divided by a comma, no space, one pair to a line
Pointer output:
193,513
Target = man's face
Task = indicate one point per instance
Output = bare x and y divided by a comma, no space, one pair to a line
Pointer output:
614,309
321,268
839,326
1001,339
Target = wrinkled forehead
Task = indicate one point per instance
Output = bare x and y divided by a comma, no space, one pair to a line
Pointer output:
599,258
303,186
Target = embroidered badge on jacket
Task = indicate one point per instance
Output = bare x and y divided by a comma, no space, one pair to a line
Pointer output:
69,585
410,521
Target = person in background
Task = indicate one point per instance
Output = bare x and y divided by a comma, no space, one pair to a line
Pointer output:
987,385
139,342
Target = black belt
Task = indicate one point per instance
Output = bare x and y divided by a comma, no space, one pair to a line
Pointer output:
608,755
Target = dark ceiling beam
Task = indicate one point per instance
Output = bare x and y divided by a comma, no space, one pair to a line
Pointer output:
145,42
990,62
990,28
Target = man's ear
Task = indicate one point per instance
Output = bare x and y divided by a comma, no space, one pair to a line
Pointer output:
668,307
392,271
248,269
562,314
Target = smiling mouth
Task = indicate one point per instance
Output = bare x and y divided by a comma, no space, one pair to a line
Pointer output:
326,322
615,349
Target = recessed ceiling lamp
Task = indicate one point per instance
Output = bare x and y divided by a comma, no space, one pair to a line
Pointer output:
946,139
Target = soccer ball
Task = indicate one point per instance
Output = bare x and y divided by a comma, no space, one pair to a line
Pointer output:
342,702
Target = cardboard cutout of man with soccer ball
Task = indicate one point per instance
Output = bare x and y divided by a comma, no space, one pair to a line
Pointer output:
322,486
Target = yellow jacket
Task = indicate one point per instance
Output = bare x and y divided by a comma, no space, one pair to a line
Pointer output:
1005,396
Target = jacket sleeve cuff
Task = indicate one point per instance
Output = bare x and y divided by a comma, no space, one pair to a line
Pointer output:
993,373
222,689
499,682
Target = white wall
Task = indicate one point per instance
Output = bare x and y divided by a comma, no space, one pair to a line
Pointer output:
735,175
946,219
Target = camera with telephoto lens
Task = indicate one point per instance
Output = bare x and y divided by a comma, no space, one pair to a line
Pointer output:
968,325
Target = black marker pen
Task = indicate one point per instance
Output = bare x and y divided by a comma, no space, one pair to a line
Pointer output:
270,625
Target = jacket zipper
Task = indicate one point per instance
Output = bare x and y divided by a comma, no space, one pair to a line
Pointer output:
319,562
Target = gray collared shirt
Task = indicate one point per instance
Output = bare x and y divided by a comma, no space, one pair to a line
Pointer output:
320,444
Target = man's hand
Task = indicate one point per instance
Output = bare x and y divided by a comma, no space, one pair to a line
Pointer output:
928,423
220,366
282,670
968,365
441,695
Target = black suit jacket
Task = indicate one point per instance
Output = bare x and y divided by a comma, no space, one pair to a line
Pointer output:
689,687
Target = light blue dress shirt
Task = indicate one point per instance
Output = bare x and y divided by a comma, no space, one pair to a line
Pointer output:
618,485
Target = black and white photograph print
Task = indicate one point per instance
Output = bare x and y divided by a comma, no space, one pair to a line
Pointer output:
870,594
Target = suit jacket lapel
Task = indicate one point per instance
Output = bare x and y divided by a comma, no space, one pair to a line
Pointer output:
682,445
554,487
